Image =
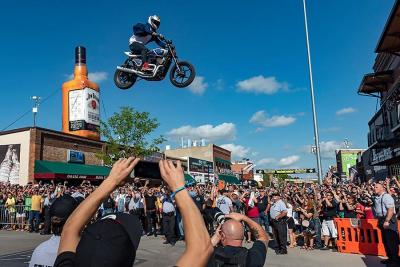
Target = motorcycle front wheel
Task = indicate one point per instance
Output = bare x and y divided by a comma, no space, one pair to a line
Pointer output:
124,80
183,77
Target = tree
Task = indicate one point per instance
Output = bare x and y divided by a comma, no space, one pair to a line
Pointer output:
127,134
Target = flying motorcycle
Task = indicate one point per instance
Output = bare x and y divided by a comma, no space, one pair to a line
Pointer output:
181,75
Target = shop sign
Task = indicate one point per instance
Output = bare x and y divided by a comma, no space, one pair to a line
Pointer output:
201,166
382,155
74,156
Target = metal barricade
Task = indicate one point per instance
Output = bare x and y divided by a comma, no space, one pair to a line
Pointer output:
14,217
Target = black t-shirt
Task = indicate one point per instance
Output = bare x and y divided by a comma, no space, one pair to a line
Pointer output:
256,256
329,212
108,203
349,213
262,203
65,259
199,201
150,202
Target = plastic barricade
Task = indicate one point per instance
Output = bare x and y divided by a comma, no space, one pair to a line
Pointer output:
359,236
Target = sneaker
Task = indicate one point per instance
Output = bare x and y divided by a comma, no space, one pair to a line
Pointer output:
325,248
165,242
145,67
334,249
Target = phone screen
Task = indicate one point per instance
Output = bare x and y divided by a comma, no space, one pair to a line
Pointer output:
146,170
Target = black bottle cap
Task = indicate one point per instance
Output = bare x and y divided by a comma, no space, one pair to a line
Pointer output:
80,55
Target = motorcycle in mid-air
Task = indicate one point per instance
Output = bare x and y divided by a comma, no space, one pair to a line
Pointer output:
181,75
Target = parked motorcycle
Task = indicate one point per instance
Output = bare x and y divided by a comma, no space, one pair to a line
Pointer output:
181,75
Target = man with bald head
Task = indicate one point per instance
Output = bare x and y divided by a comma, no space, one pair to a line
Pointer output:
387,223
228,243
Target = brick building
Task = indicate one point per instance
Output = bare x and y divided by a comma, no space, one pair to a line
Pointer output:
32,153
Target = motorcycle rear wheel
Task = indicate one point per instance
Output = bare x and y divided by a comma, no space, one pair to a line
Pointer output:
184,77
124,80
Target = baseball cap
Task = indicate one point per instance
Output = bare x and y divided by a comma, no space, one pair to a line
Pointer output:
111,241
63,206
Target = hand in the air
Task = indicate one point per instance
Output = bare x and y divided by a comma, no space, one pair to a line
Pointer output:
121,169
172,175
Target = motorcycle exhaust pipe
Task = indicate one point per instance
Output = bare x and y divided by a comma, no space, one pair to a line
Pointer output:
127,70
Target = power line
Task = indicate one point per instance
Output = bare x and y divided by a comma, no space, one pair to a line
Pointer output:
29,110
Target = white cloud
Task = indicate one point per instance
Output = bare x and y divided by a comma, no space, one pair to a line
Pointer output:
224,131
262,85
327,149
288,160
345,111
266,161
198,86
97,76
260,118
238,151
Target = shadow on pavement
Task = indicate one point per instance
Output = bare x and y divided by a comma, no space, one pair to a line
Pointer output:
370,261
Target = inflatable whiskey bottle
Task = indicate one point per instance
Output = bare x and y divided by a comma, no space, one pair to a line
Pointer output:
81,101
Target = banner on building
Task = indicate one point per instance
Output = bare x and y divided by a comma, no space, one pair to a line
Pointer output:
10,163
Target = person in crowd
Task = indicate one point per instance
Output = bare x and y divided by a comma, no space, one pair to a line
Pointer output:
19,212
290,222
168,219
228,243
36,208
384,208
45,254
329,231
48,200
278,214
224,203
10,206
263,209
150,206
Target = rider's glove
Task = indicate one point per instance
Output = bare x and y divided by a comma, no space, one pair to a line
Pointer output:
160,36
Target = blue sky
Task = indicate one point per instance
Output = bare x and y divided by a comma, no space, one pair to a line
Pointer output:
251,93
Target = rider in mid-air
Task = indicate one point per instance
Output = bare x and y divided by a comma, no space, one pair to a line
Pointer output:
144,34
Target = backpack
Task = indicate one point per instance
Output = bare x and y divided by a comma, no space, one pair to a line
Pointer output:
223,259
140,30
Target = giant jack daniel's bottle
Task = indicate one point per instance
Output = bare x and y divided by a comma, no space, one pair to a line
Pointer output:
81,101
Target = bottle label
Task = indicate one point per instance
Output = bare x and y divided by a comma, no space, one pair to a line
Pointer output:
84,110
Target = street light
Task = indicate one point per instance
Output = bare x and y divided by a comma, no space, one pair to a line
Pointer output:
316,137
35,108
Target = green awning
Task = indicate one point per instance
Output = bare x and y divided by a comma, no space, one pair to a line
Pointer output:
230,179
50,170
189,179
223,161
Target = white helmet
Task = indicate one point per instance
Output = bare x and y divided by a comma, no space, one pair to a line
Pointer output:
154,22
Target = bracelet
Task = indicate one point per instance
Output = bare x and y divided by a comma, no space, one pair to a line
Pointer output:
177,191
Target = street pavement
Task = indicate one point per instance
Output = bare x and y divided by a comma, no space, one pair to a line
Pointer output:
16,248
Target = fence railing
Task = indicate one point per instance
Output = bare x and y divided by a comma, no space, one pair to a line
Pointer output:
16,216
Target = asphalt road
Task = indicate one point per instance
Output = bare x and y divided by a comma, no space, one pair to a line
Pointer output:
16,248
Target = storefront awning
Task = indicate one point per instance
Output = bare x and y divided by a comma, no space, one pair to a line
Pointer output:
189,179
390,38
60,170
375,82
230,179
223,161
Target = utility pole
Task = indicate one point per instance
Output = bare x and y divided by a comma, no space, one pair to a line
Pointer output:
316,136
35,109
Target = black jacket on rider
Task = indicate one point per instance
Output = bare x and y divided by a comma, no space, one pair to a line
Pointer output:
142,35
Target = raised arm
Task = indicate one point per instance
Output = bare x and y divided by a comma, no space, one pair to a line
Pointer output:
198,243
70,235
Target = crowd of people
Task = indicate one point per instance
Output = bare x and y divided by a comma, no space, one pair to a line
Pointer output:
293,214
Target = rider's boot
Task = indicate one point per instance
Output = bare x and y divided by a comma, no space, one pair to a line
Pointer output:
145,66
